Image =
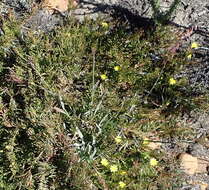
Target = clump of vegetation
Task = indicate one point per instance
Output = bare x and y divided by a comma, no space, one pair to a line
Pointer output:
77,104
161,17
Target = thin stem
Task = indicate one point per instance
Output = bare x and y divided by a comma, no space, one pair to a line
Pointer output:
93,75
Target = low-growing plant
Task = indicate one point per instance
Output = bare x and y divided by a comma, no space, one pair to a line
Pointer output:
84,93
161,17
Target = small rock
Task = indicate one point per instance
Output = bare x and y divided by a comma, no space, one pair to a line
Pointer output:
204,186
59,5
188,163
42,20
153,143
193,165
202,166
199,150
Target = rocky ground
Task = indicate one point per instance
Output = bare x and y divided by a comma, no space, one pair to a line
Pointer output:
193,154
191,18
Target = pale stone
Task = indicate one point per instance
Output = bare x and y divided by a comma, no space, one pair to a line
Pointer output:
202,166
189,163
60,5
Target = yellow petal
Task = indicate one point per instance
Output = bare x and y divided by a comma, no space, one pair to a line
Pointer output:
194,45
118,139
172,81
153,162
114,168
189,56
121,184
103,77
117,68
104,162
104,25
123,172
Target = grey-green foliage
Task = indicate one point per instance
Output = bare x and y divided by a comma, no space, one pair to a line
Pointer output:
142,8
162,16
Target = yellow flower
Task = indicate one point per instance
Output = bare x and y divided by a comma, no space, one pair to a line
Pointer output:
104,162
145,141
123,172
118,139
117,68
104,25
172,81
194,45
189,56
114,168
121,184
153,162
103,77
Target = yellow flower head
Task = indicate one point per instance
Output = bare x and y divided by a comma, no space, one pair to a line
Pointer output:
194,45
121,184
103,77
114,168
123,172
117,68
145,141
153,162
189,56
172,81
104,25
104,162
118,139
